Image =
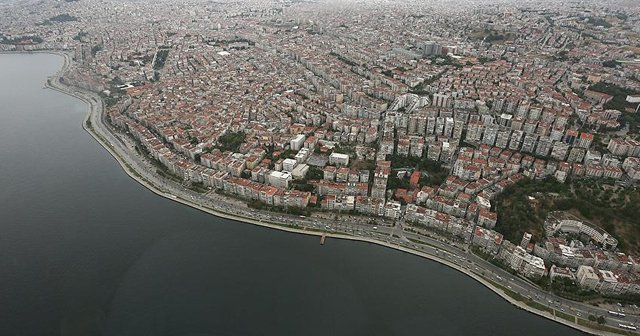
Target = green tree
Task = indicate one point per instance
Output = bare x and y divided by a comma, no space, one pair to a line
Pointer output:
231,141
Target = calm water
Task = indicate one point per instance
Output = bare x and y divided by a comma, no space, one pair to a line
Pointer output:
84,250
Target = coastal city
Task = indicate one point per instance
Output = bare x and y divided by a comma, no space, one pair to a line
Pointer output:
500,137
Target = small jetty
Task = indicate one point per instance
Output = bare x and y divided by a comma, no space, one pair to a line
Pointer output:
322,238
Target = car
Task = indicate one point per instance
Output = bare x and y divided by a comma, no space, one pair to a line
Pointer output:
375,227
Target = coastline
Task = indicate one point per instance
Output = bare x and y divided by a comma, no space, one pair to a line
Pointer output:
90,125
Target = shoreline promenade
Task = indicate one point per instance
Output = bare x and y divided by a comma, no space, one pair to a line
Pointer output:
95,125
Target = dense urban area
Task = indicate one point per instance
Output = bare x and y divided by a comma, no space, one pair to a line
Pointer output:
510,129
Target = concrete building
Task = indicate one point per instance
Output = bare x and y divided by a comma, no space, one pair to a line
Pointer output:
430,48
527,264
302,155
587,277
560,273
289,164
339,159
300,171
526,238
297,142
441,100
490,134
280,179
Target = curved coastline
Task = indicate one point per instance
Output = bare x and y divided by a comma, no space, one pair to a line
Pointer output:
95,112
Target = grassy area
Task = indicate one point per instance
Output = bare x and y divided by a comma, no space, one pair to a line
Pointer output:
596,326
433,174
566,316
364,165
512,294
22,40
420,242
199,188
63,18
256,204
104,141
529,302
161,58
164,173
567,289
560,314
231,141
538,306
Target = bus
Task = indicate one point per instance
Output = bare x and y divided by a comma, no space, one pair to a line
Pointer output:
616,313
629,327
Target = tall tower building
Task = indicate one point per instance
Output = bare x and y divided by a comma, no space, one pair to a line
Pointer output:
526,238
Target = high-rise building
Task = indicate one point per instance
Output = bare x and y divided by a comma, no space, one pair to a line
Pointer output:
490,134
517,123
417,146
556,133
516,140
430,48
339,159
474,132
458,127
417,124
431,125
559,151
530,126
544,146
570,136
502,139
510,105
505,119
441,100
439,125
448,127
535,112
576,154
280,179
522,110
297,142
289,164
529,143
497,106
526,239
379,187
618,147
584,141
